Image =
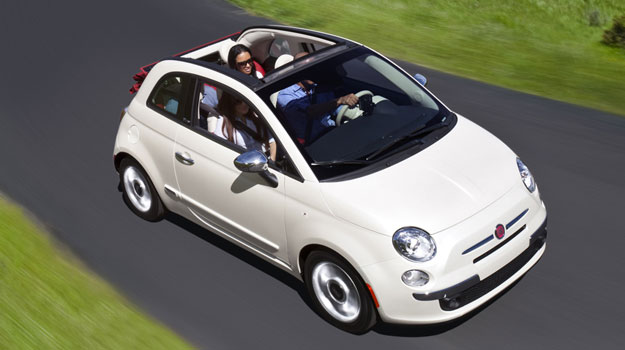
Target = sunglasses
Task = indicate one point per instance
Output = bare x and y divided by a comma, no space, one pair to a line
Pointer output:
245,63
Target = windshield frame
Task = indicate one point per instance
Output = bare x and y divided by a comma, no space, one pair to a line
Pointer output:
293,72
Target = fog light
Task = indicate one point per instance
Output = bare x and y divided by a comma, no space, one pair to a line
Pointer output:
415,278
452,303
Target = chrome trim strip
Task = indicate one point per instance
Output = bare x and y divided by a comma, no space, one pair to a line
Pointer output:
479,244
489,238
247,245
172,192
514,221
249,234
492,250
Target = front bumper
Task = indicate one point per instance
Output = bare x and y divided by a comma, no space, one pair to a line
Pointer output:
473,289
463,279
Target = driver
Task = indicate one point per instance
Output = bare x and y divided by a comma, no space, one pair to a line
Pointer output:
310,112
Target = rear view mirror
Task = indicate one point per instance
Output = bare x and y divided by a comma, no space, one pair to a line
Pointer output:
251,162
421,79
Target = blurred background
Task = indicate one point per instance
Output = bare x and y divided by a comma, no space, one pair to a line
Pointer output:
553,48
79,271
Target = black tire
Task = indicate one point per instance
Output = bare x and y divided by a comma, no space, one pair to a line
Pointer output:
138,191
336,293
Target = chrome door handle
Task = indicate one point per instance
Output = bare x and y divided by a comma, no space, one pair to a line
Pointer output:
182,158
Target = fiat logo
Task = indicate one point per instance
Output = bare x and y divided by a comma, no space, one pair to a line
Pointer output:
500,231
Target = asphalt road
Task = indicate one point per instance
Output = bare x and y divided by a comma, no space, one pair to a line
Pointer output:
66,69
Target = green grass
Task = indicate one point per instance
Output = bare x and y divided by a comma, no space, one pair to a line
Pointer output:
47,301
544,47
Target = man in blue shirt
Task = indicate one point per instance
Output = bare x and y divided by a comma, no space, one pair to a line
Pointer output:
309,112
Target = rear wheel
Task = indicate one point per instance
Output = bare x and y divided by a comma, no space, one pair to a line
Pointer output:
139,192
338,293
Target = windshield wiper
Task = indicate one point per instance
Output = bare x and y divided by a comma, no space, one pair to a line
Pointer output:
418,132
341,162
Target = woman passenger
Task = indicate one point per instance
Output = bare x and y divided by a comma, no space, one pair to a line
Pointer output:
238,124
240,58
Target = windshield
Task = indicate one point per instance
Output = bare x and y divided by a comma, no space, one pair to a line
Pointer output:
392,112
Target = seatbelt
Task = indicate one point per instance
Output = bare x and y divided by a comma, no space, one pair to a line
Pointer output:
255,135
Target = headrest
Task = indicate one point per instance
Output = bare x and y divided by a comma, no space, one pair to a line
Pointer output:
224,49
282,60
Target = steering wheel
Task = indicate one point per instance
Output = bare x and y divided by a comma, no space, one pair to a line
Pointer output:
344,108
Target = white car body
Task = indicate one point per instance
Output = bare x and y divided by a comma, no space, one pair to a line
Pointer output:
458,190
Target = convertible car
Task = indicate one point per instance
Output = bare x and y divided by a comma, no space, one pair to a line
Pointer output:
393,209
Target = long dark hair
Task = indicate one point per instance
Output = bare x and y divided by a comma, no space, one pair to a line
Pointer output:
227,108
232,57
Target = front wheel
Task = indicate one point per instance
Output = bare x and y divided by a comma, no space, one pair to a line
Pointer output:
139,192
338,293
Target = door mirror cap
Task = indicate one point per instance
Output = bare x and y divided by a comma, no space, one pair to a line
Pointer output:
251,162
256,162
421,79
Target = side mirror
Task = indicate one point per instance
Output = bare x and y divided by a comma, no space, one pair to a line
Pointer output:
255,162
421,79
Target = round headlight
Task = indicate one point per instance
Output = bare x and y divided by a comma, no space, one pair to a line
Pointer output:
414,244
526,176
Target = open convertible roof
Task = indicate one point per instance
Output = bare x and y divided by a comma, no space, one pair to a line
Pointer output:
249,37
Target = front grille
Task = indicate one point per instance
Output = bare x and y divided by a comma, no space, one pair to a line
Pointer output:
493,281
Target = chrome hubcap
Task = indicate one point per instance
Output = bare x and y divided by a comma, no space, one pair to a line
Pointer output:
336,291
137,189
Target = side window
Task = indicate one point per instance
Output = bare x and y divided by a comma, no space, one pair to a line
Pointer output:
171,96
227,116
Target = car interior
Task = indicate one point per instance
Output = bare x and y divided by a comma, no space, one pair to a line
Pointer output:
270,49
267,45
167,95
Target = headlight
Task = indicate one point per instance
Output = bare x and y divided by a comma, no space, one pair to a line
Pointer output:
414,244
526,176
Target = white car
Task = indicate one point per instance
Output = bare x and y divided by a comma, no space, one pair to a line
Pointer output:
396,209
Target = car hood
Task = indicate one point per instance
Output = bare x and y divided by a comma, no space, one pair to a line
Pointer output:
444,184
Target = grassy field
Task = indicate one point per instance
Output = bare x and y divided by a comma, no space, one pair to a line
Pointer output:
544,47
48,302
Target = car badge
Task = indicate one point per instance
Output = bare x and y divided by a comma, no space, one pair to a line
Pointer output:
500,231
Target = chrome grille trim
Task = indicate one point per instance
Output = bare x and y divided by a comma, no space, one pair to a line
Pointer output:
514,221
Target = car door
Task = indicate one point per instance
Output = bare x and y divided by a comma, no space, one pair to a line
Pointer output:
241,205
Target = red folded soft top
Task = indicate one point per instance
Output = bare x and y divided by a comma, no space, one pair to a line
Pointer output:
143,71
